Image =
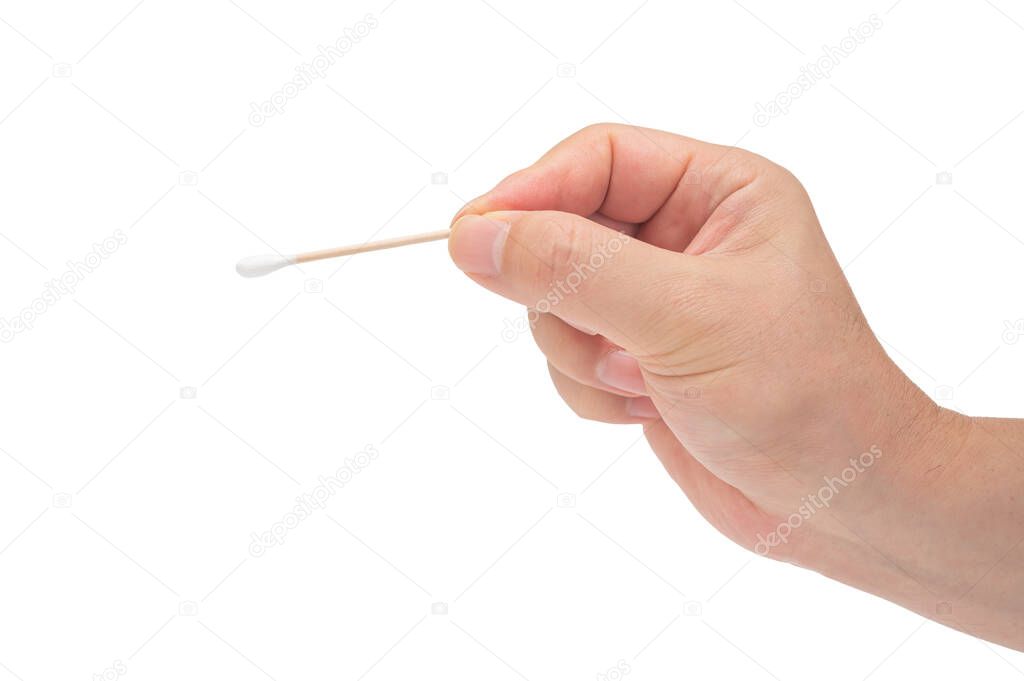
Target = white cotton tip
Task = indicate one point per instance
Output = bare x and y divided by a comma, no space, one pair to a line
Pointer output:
259,265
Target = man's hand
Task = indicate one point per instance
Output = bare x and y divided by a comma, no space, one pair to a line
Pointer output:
689,287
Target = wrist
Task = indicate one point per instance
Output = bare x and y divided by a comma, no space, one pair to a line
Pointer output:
935,524
887,447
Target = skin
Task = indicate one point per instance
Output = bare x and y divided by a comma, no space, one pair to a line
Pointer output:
688,287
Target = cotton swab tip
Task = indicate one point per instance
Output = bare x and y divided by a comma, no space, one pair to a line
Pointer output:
259,265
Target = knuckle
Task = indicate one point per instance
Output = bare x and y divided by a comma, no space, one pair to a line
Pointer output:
602,129
579,409
572,395
540,328
781,178
567,243
586,410
695,305
792,183
745,167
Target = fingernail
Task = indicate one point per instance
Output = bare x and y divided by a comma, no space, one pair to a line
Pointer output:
583,329
476,244
641,408
467,208
621,371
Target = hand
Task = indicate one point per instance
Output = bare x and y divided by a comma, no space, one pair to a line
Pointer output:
689,287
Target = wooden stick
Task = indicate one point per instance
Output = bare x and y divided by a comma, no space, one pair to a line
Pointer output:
372,246
259,265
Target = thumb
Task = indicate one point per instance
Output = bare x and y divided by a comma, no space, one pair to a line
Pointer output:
585,273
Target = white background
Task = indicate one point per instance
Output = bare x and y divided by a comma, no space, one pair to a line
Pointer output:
127,509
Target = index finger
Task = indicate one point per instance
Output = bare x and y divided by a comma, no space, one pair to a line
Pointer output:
624,173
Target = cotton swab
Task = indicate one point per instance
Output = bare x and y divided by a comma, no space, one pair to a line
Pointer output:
259,265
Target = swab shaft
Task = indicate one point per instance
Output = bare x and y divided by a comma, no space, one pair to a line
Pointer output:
260,265
371,246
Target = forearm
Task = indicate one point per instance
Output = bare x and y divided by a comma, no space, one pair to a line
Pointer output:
938,525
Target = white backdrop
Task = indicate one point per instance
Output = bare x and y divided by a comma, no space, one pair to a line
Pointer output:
159,411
